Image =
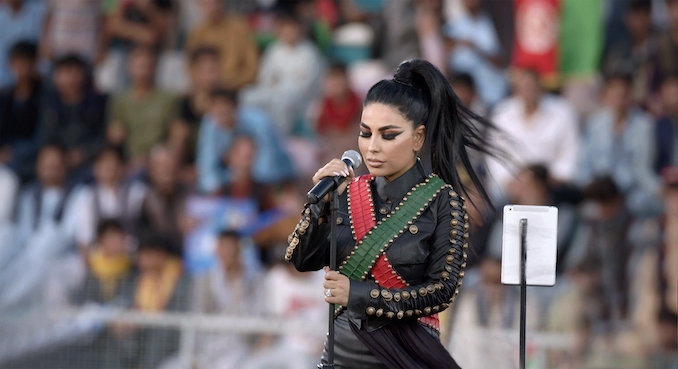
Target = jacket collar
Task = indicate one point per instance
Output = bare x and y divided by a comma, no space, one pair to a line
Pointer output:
397,189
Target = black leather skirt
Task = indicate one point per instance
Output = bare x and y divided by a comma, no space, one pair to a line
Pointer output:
349,352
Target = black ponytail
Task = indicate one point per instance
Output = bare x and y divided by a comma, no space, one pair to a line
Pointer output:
421,93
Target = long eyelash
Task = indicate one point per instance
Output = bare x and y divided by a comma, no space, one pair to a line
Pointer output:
364,134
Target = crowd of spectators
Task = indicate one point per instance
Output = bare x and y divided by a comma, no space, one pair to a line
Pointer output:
154,155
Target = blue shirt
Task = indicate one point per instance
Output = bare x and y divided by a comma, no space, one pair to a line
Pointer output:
25,25
271,163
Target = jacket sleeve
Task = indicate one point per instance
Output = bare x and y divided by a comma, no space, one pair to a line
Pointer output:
447,260
308,245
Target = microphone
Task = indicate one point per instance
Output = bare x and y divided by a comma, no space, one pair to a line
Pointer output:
327,184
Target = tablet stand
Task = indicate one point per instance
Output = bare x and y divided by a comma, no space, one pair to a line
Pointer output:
523,289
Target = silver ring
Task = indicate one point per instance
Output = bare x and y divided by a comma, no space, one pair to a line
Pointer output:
328,292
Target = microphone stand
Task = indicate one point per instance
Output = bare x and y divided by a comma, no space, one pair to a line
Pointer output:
334,206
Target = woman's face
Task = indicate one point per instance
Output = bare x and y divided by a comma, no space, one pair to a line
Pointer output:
388,141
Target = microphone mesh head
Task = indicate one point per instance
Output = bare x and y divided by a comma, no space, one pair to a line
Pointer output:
354,157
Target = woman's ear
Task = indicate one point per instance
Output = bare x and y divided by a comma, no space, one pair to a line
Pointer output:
419,136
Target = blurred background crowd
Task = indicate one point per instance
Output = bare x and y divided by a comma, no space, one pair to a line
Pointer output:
155,154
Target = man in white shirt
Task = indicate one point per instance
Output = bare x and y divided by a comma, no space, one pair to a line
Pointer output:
538,128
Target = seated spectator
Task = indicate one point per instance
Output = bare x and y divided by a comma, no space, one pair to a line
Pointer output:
45,201
539,128
340,110
617,142
633,54
666,133
475,49
140,116
204,73
229,34
109,197
43,241
666,57
160,285
162,209
465,88
604,239
74,115
19,20
340,106
217,131
20,106
73,27
240,161
139,22
289,76
109,267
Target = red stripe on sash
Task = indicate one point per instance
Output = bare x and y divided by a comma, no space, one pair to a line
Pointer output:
363,220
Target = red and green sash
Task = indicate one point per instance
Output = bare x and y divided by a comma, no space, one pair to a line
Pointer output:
373,238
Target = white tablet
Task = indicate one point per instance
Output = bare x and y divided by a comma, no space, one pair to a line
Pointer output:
542,236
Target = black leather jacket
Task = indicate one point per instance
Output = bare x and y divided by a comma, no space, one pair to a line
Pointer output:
430,255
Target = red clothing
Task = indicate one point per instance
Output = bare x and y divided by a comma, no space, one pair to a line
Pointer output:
338,115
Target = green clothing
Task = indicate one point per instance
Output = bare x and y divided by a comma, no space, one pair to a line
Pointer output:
145,121
581,37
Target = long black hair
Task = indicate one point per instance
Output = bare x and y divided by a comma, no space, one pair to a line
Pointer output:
422,94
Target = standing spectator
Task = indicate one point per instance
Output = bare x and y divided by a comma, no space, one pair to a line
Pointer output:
74,115
666,138
74,27
230,35
139,117
617,142
666,59
20,106
231,287
634,53
19,20
541,128
289,76
217,131
475,49
162,209
205,76
109,197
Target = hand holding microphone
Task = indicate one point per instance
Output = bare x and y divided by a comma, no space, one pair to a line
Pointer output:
334,175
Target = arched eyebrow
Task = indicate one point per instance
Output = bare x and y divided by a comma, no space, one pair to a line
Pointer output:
381,129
